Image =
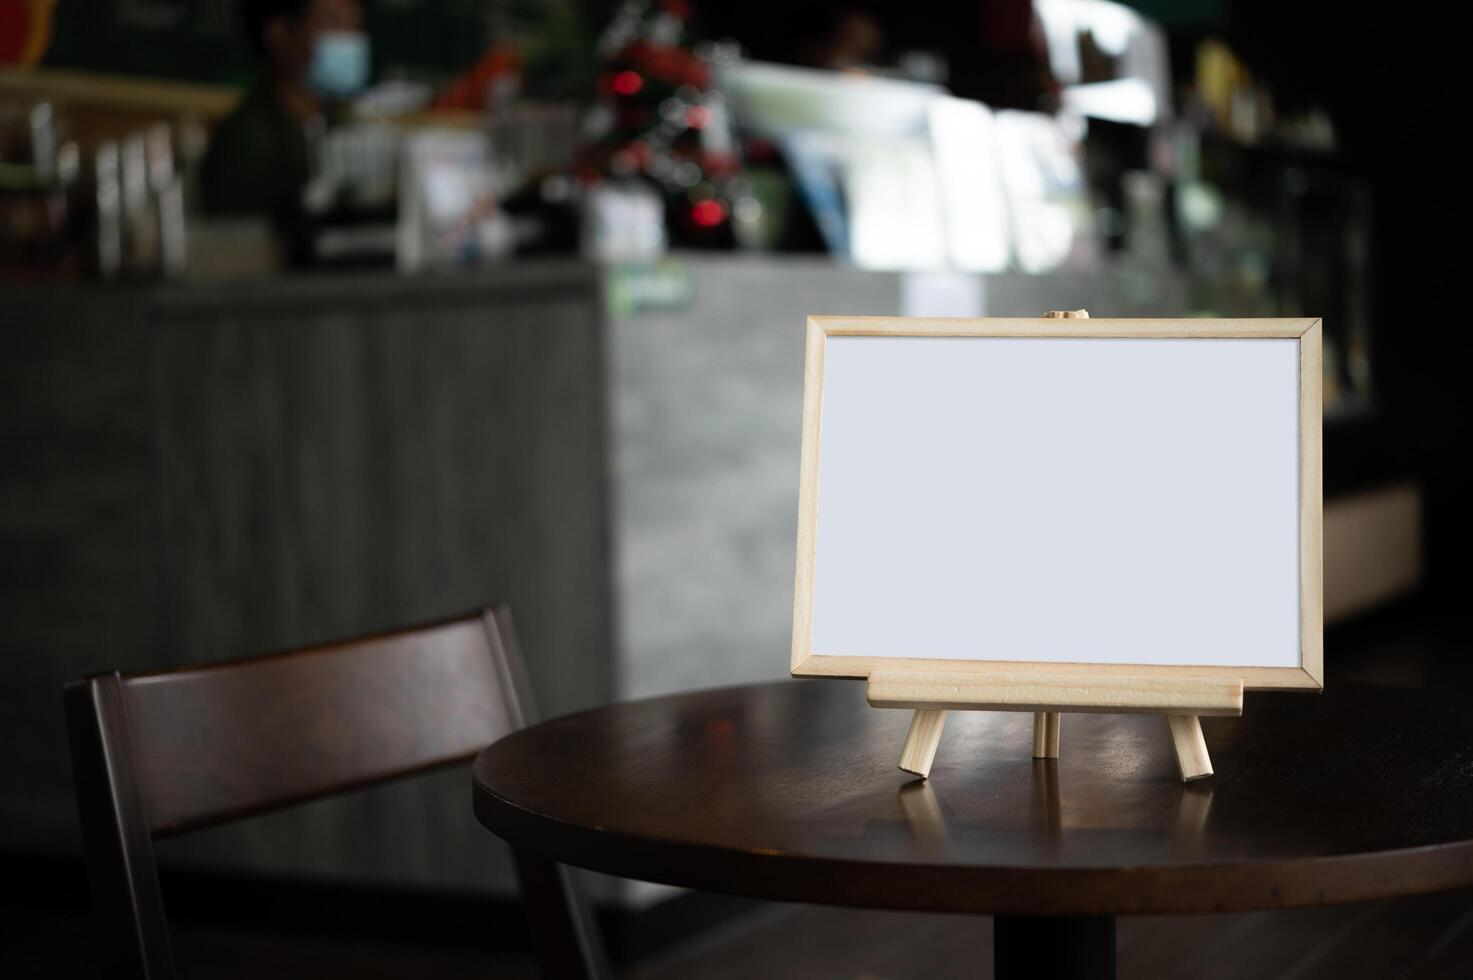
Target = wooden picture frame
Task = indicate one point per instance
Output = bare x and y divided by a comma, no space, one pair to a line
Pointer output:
1100,687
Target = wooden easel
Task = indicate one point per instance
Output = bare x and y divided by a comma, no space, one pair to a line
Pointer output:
1182,700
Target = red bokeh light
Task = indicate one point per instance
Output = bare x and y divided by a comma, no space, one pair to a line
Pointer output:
697,116
627,82
707,214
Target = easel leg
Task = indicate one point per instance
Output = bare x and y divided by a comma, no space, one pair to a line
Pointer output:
921,741
1191,749
1046,734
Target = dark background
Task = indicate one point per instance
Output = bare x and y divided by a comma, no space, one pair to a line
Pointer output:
1392,76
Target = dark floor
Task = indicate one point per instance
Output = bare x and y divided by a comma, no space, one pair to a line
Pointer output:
1424,937
1428,936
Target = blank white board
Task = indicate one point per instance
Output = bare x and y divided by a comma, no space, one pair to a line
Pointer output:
1054,498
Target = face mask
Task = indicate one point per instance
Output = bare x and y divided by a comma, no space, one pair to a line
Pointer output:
339,64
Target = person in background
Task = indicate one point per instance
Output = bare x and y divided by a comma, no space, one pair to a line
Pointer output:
313,54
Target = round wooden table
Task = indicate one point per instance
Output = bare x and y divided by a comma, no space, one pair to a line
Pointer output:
789,791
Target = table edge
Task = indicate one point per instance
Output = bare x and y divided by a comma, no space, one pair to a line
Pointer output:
1251,885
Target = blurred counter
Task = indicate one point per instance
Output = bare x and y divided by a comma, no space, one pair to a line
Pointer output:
196,472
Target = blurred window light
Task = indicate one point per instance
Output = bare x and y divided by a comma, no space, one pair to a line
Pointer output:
861,153
1125,100
1111,61
1047,200
777,100
964,140
902,176
894,205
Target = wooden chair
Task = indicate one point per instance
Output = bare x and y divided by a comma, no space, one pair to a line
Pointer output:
171,751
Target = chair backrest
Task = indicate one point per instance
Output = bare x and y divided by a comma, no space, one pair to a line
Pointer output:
166,752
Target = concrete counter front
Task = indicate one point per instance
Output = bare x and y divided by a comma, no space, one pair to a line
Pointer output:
196,473
200,472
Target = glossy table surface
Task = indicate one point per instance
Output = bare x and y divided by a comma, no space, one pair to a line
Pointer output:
790,791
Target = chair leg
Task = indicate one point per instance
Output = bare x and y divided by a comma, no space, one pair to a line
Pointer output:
560,919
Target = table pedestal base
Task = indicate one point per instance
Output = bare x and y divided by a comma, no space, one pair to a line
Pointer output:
1064,947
